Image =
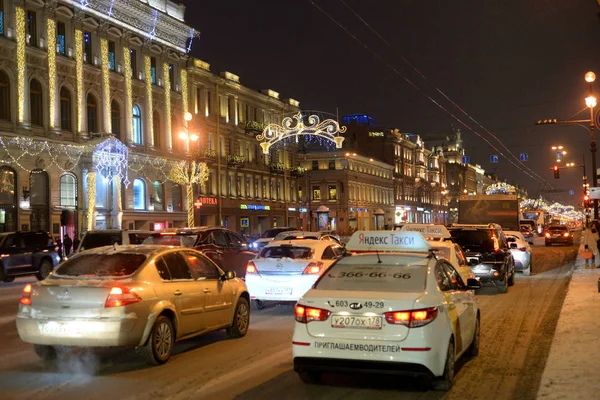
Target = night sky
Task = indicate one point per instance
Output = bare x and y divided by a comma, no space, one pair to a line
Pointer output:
507,63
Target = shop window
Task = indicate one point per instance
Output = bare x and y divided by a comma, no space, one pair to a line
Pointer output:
316,193
139,195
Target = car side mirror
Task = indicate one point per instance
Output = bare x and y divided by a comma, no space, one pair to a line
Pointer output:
513,246
229,275
473,284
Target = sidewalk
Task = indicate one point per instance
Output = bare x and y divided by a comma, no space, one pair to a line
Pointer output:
573,366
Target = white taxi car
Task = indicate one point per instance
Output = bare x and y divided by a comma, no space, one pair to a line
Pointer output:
285,270
393,307
441,243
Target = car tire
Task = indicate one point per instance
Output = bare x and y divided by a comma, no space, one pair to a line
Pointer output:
473,350
45,269
259,304
502,285
46,353
511,279
444,383
160,343
309,377
547,244
8,279
241,319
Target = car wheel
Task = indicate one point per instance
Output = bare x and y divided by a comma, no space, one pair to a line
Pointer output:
8,279
502,285
241,319
473,350
159,346
45,269
46,353
511,279
309,377
444,382
259,304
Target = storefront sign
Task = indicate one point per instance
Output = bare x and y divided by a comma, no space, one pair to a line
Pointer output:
291,208
420,209
245,222
208,200
376,134
254,207
303,209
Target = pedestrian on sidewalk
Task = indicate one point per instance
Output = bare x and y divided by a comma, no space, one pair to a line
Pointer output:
590,240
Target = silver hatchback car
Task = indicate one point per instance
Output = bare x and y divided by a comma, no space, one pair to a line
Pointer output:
143,296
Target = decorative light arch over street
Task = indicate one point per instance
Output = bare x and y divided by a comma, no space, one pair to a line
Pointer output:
328,129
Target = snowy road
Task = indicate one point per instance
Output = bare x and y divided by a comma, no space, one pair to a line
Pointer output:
517,331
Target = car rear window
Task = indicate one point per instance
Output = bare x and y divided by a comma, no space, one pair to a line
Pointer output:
402,278
476,239
271,233
100,265
442,252
293,252
558,229
172,240
93,240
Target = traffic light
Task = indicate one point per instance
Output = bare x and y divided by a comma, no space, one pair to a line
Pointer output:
556,172
586,201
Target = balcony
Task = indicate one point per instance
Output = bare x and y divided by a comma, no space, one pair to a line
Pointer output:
235,160
277,168
206,155
297,171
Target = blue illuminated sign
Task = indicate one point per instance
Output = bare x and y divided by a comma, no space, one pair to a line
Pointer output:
255,207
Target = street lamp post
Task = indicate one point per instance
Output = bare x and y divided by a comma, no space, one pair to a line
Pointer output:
590,102
189,138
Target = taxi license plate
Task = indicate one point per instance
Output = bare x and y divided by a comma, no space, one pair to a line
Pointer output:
358,322
278,290
58,328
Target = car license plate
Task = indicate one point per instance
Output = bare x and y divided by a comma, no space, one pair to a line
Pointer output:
360,322
279,290
58,328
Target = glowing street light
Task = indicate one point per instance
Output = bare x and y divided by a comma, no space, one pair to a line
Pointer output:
557,147
590,101
590,77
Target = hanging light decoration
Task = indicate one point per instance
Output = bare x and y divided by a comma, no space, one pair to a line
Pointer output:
168,104
51,32
184,173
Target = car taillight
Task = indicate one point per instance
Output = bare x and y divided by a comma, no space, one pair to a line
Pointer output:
547,234
313,268
496,243
566,234
251,268
306,314
119,297
413,318
26,296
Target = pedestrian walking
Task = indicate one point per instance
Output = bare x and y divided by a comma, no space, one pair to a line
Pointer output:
67,244
76,243
590,240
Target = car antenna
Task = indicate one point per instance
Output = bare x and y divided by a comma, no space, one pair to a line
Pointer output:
378,258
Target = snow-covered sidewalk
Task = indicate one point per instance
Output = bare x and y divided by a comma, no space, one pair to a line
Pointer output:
572,367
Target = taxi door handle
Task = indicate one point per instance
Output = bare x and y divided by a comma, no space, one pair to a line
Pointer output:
178,293
206,290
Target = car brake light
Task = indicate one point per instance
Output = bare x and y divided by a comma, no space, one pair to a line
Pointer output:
251,268
547,234
313,268
566,234
119,297
26,296
168,233
412,319
306,314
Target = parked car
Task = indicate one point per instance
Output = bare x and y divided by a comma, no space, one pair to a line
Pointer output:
299,235
27,253
268,236
487,250
108,237
558,234
143,296
521,251
285,270
526,231
226,248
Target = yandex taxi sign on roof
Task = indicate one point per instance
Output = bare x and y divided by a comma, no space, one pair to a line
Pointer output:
388,241
428,230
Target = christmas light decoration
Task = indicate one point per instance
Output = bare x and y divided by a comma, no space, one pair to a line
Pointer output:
117,182
188,173
152,32
79,77
500,188
105,84
91,201
128,90
168,104
148,76
21,63
111,158
184,92
14,150
112,3
51,29
192,34
327,129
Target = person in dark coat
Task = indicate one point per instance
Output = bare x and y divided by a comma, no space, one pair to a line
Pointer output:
67,244
76,243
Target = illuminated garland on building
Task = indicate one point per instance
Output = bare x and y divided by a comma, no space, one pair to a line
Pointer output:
105,84
182,174
168,105
119,202
51,28
184,91
91,201
15,150
148,76
500,188
79,77
128,91
21,63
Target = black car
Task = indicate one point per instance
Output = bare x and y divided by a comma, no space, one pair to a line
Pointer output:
27,253
558,234
488,253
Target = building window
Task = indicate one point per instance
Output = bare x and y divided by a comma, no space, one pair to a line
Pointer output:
208,103
92,114
65,109
332,189
176,194
264,190
156,131
139,195
172,76
68,191
332,164
4,96
111,55
159,195
256,194
137,125
238,186
36,107
209,142
316,193
315,165
153,70
229,185
278,190
115,119
247,194
198,99
133,57
87,47
32,28
61,38
300,193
